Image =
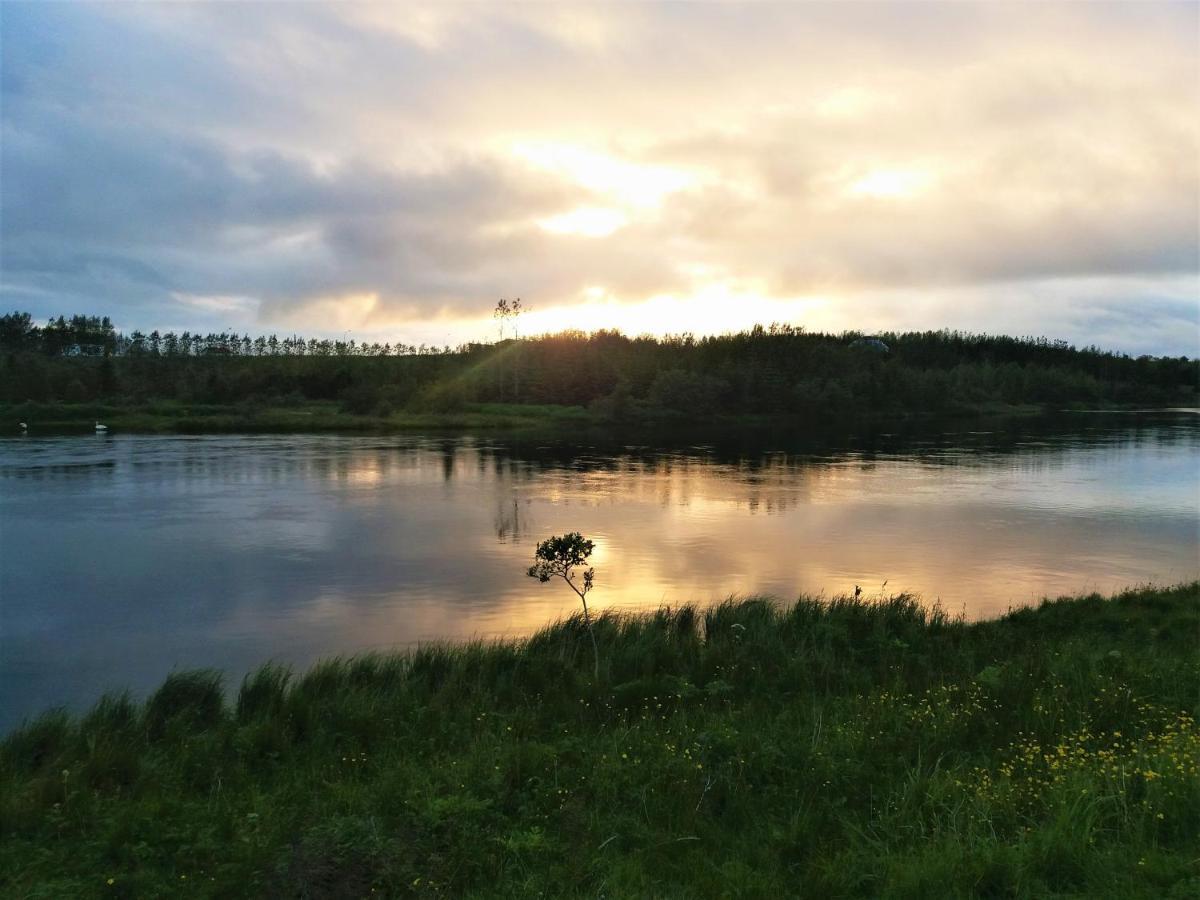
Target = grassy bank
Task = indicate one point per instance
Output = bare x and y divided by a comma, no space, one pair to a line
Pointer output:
842,749
309,417
312,417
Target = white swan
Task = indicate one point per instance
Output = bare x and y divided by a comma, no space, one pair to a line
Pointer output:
24,427
100,429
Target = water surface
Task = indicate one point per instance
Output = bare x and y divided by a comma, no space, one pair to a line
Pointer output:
122,557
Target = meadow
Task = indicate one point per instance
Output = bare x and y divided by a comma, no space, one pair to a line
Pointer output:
825,748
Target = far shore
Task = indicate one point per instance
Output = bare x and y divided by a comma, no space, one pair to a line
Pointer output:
329,417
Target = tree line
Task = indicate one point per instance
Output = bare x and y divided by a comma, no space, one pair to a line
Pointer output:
765,370
96,336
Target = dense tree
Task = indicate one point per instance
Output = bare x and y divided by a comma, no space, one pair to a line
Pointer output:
779,369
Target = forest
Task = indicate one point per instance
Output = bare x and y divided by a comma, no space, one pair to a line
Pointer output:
778,369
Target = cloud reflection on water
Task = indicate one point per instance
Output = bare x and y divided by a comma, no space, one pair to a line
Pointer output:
135,554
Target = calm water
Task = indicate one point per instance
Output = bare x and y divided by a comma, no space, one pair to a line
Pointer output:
122,557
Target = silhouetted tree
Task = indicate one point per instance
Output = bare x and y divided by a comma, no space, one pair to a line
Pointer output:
557,557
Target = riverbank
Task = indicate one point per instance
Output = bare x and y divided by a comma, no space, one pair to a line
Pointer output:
170,417
848,749
309,417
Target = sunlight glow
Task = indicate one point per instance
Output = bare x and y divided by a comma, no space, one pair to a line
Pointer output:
394,169
631,184
846,103
710,309
891,184
588,221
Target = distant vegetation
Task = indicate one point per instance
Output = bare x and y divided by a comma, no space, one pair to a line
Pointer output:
825,749
779,370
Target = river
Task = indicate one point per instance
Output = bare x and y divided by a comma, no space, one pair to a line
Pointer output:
123,557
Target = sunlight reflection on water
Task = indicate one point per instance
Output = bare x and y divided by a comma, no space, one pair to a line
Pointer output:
124,556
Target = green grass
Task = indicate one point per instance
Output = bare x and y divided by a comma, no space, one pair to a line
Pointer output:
174,417
823,749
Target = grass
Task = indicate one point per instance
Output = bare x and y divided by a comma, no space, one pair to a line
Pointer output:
823,749
174,417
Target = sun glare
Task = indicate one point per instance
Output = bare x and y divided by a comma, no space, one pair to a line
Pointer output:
891,184
632,185
846,103
709,309
587,221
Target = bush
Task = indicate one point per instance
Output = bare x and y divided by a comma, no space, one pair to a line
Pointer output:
690,392
444,397
361,399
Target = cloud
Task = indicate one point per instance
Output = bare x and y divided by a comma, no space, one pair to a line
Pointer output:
436,157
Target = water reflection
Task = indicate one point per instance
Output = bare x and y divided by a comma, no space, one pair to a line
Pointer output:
514,520
121,557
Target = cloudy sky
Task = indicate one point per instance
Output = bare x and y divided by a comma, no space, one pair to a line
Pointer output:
394,170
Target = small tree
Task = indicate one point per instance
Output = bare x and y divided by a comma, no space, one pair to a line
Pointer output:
557,557
507,313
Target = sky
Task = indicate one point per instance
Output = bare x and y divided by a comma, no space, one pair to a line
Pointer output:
391,171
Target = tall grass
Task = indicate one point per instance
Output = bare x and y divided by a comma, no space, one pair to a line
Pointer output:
826,748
